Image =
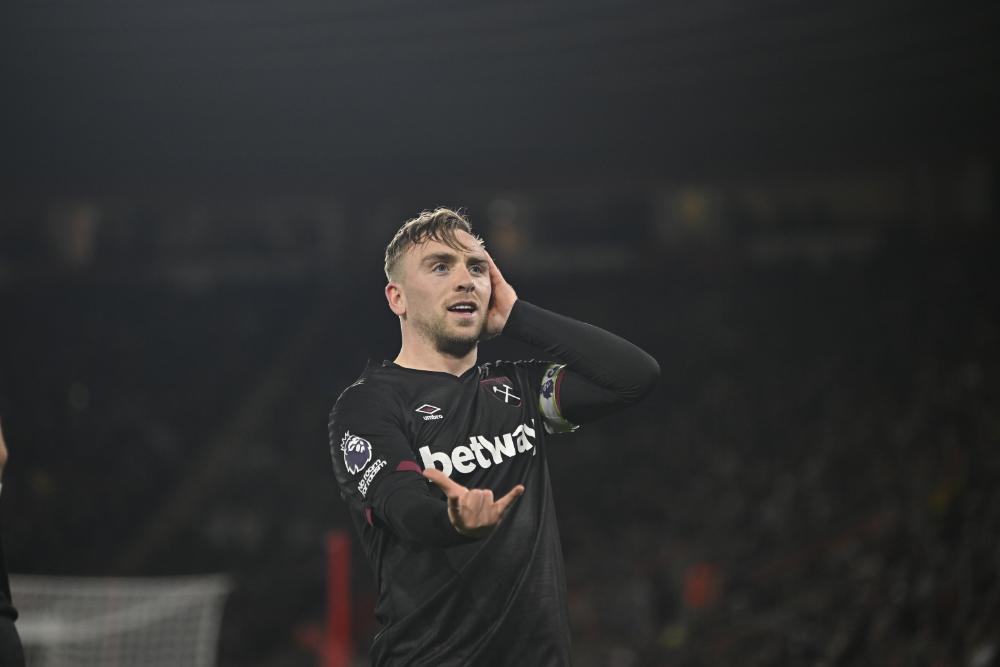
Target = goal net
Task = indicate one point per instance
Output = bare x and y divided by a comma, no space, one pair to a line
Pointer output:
119,622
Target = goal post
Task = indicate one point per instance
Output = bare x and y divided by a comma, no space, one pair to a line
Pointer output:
119,622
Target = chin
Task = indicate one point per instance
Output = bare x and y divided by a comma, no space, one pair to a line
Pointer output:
457,347
460,340
467,337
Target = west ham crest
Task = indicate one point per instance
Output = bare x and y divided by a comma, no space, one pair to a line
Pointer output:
502,389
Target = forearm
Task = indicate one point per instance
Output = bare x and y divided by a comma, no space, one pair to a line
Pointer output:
415,515
608,361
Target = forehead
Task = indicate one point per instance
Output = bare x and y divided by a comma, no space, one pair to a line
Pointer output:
429,247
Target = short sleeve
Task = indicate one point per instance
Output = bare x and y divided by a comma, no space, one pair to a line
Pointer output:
367,444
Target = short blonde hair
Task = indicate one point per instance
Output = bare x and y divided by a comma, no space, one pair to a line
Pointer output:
437,225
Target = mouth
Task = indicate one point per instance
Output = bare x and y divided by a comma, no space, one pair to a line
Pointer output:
464,308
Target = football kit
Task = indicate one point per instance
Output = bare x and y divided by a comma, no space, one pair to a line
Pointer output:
445,599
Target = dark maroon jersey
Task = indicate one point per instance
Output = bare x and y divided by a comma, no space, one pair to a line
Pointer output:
500,600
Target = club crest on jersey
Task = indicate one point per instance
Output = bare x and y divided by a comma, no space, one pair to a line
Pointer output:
357,452
502,389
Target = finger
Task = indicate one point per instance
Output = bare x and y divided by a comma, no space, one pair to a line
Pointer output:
509,499
476,502
450,488
495,274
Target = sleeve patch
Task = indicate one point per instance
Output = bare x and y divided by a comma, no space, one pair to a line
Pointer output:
548,401
357,452
369,475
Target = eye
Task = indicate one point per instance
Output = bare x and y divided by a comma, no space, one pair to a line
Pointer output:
439,268
477,269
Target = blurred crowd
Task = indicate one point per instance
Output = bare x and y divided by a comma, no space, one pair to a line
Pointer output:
813,482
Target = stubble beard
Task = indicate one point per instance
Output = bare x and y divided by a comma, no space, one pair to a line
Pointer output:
446,340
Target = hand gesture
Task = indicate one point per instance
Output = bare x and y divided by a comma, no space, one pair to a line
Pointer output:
501,301
472,512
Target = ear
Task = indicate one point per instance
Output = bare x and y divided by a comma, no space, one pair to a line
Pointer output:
397,300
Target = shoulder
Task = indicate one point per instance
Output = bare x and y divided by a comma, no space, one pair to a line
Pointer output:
369,394
501,367
529,370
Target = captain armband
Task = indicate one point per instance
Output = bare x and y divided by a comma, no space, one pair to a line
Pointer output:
548,401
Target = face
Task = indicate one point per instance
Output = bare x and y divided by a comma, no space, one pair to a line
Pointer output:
443,293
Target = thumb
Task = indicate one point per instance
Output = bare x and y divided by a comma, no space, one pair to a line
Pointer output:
509,499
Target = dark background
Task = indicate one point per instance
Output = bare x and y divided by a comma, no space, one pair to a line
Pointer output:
792,206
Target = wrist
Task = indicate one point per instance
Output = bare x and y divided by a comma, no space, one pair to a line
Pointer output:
515,325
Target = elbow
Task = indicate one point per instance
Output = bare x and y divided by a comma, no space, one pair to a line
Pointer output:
651,377
647,376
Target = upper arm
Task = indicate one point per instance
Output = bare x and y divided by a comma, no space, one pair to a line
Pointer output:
567,399
367,446
378,473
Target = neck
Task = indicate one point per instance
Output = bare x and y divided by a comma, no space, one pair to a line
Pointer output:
421,354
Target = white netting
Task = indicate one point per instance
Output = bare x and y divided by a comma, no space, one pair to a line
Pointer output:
119,622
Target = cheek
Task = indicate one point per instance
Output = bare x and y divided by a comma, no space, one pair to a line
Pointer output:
421,298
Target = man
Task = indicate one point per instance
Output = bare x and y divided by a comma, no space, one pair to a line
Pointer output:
469,569
11,651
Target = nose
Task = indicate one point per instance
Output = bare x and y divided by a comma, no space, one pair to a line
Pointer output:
465,281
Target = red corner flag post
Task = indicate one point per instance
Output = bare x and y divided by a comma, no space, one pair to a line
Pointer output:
337,644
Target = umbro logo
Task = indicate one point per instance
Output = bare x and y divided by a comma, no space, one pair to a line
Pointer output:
430,412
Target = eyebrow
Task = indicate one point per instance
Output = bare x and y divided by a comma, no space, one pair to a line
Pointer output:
449,257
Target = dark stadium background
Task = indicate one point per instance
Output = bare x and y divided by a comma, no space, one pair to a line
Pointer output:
793,206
